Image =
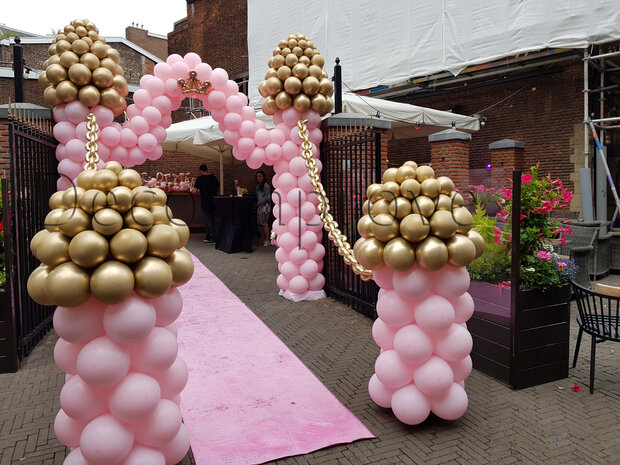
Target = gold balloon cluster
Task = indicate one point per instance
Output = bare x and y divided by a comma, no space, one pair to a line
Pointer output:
415,217
296,78
82,66
108,237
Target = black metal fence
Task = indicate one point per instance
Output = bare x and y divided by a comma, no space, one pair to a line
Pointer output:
351,161
32,181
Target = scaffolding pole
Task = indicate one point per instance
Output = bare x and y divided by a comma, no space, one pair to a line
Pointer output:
599,150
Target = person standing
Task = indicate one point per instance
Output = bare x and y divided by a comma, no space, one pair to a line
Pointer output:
208,186
263,207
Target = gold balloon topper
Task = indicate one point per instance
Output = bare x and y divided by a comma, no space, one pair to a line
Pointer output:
296,78
107,237
414,217
82,66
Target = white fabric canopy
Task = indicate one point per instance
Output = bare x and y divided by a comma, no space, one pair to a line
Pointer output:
390,41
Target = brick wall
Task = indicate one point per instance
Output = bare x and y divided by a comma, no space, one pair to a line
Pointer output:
5,160
158,46
451,158
217,31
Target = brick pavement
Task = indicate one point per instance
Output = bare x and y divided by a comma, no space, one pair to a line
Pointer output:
548,424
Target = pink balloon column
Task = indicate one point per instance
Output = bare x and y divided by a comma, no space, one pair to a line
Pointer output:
417,238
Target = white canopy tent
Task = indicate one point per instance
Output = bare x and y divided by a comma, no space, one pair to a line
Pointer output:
202,136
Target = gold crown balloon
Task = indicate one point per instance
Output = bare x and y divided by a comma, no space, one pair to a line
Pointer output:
414,217
296,78
83,67
108,237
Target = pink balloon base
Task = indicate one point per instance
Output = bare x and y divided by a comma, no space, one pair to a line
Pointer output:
424,342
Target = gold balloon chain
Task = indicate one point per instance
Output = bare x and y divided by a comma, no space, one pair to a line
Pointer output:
334,234
92,157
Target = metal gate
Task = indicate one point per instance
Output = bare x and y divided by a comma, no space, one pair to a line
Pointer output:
32,181
351,160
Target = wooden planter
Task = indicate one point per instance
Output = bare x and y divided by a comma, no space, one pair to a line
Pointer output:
522,346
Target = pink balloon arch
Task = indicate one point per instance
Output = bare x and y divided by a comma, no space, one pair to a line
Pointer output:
298,225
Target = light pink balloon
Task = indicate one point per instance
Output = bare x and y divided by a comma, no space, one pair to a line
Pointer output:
294,136
282,282
248,129
75,457
452,404
139,125
392,371
383,334
219,77
161,103
167,307
281,166
279,229
173,91
261,137
61,151
290,116
163,71
110,136
161,426
216,99
106,440
129,138
298,284
156,353
234,104
256,158
135,156
296,197
65,355
119,154
180,69
298,166
413,284
129,321
76,111
307,210
315,135
434,377
246,145
176,449
144,456
413,345
76,150
410,405
67,429
152,115
308,240
383,277
145,79
64,131
434,314
69,168
203,70
59,113
455,344
298,256
297,226
287,241
173,380
63,184
315,224
232,89
135,398
451,282
155,87
104,115
317,253
80,324
273,152
82,402
379,392
304,183
289,270
133,111
281,255
290,150
287,182
463,308
393,310
318,282
147,142
461,369
102,363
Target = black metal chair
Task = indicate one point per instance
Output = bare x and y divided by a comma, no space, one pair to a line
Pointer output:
599,316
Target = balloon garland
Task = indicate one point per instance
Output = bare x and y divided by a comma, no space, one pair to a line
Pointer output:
417,239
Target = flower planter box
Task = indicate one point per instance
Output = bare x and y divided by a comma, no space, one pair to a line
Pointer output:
522,346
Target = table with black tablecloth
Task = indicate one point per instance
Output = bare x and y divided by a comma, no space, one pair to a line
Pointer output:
235,217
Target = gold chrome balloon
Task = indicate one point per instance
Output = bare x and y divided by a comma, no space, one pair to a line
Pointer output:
71,197
79,74
162,240
411,163
457,200
90,60
107,222
443,202
463,219
113,166
399,254
310,85
446,185
67,285
430,188
461,251
370,253
390,190
364,226
139,218
283,100
431,253
92,201
129,178
68,59
37,239
105,180
283,73
385,227
374,192
182,267
53,220
43,80
67,91
160,196
478,241
153,277
405,172
379,207
400,207
55,73
302,102
36,285
182,230
89,96
120,198
54,250
161,215
112,282
443,224
424,172
50,96
414,227
74,221
88,249
142,197
423,205
128,245
365,205
269,106
390,174
410,189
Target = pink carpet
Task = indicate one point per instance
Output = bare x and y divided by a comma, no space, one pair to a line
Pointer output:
249,399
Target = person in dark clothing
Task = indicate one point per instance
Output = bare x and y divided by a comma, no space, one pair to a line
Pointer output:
208,186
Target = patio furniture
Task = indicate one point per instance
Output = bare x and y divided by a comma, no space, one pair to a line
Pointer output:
580,246
599,316
599,260
614,264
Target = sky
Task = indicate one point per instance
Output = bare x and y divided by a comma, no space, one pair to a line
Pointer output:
111,17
